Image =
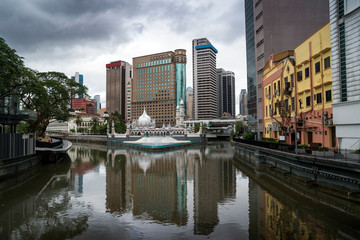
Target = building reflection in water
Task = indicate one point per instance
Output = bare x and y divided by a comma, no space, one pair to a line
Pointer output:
214,182
154,186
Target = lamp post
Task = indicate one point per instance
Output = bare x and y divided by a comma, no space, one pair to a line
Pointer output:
296,149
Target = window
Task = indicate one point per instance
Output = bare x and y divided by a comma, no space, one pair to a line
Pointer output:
269,90
286,80
259,29
317,67
279,85
292,80
328,95
299,75
308,101
300,103
260,57
318,98
307,73
327,62
287,105
257,3
292,104
266,110
259,43
258,16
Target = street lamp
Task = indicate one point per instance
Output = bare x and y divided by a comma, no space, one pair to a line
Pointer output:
296,150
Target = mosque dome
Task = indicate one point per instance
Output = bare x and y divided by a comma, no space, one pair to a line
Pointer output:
144,119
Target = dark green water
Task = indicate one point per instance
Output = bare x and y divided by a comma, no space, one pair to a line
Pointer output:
200,192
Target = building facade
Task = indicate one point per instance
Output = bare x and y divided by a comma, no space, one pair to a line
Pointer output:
345,44
226,92
297,93
277,26
97,102
118,88
189,102
204,79
159,82
83,105
243,102
79,78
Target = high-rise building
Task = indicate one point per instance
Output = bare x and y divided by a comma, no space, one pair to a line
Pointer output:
97,102
226,92
204,79
118,80
79,78
189,102
275,26
243,102
345,46
159,85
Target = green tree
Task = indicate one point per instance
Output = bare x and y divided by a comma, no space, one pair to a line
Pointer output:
119,123
49,94
12,70
197,127
239,127
78,120
94,123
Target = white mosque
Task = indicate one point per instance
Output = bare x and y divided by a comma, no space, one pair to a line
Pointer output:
145,126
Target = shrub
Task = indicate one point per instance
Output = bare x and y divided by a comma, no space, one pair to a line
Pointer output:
356,152
303,146
249,136
322,149
270,140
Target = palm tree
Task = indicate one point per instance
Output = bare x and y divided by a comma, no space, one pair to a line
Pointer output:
93,124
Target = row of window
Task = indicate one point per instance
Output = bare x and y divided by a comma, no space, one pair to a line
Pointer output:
154,69
317,98
154,63
317,69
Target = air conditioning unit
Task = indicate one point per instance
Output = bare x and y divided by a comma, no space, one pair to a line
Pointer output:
267,96
277,92
329,122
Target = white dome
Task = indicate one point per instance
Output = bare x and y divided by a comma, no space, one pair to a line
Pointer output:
181,102
144,119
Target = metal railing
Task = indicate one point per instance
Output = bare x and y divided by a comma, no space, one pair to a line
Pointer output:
347,155
13,145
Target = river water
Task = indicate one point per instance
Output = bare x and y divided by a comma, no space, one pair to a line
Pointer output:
200,192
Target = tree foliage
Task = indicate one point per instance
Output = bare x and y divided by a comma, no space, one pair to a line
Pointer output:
119,123
49,94
94,123
239,127
11,70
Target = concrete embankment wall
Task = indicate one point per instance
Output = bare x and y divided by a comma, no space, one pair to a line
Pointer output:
15,166
335,177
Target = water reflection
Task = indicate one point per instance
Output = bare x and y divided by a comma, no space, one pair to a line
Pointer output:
121,193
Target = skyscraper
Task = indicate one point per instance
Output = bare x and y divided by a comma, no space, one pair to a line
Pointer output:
344,26
226,92
159,85
79,78
97,102
189,102
274,26
118,78
204,79
243,102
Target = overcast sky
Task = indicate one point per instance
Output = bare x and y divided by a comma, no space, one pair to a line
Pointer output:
83,35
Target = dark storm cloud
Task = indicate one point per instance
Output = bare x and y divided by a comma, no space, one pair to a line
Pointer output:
31,24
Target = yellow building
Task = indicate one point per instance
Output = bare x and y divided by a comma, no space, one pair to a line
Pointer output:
301,90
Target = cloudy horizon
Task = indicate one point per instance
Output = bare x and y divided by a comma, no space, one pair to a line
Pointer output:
83,36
